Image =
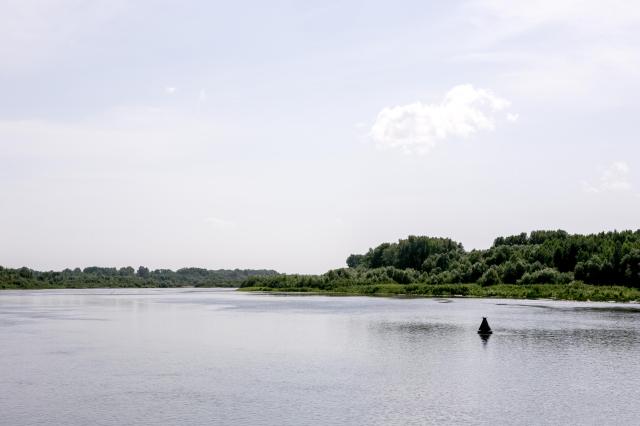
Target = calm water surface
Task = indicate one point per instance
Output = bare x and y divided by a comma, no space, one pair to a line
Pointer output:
175,357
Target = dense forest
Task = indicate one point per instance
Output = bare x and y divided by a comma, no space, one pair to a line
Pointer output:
541,257
97,277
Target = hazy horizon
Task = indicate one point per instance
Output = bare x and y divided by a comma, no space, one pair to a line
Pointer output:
286,136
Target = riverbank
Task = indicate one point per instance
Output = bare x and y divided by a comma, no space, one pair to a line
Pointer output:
576,291
573,292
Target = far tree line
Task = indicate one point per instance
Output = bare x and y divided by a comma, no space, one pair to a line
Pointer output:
95,277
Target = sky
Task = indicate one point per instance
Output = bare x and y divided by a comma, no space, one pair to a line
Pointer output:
287,135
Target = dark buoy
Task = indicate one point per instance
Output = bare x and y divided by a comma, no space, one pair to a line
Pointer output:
484,329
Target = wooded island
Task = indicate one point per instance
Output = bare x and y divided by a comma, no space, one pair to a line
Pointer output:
542,264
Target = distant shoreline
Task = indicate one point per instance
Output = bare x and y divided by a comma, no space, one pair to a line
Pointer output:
125,277
577,292
184,287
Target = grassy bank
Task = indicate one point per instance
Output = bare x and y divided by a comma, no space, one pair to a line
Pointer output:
575,291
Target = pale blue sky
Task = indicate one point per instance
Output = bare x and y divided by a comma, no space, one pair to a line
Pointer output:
287,135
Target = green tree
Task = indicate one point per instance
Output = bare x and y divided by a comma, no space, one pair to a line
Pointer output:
490,277
143,272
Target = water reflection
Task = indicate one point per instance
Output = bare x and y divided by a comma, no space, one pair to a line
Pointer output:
412,328
604,338
485,338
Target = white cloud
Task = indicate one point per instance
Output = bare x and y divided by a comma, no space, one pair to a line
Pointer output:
417,127
513,117
169,90
614,178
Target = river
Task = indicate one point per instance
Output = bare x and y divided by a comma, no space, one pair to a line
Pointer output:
220,357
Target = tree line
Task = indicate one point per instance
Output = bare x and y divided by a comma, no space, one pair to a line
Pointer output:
97,277
540,257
